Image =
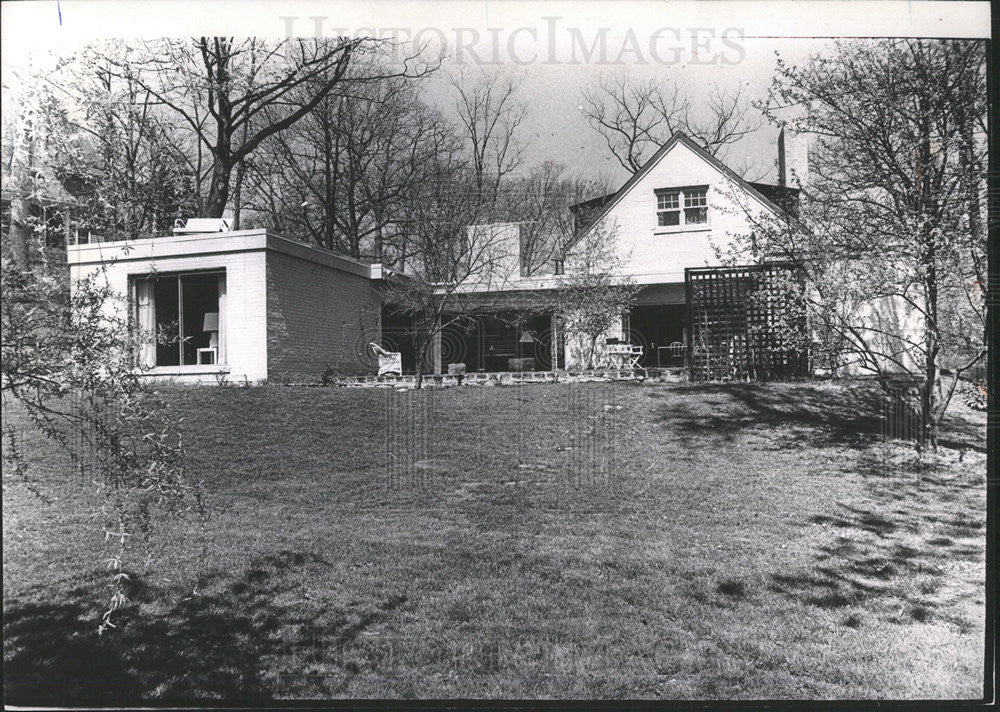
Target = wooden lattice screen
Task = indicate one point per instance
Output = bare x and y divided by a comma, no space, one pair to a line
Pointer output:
745,323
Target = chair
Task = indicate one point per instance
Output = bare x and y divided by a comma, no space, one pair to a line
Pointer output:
389,362
623,355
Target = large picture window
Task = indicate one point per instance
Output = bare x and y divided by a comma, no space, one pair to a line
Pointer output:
677,207
179,318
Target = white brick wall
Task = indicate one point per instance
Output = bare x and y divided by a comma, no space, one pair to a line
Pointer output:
322,306
240,254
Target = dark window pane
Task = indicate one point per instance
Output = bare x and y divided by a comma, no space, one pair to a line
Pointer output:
668,218
201,298
165,299
695,215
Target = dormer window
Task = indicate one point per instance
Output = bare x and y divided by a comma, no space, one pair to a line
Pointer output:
696,206
677,207
668,208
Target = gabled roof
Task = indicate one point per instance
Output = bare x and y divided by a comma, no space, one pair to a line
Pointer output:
681,137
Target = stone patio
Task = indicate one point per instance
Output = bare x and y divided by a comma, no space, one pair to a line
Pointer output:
509,378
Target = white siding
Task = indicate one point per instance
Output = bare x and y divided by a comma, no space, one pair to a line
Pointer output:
657,255
893,329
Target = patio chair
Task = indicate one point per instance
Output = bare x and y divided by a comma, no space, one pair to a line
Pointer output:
389,362
623,355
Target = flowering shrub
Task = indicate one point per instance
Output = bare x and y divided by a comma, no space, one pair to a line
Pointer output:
67,361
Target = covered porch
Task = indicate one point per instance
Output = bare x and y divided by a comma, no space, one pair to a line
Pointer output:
515,332
658,323
503,340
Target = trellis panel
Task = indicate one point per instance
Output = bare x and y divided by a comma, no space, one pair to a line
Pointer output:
745,323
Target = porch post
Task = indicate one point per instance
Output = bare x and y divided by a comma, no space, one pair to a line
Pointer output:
554,342
436,349
480,345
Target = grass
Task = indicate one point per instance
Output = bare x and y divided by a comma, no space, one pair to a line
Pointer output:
590,540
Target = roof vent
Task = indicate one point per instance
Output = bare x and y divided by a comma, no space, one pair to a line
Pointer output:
200,226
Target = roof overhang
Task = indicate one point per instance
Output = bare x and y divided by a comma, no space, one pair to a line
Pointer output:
682,138
199,245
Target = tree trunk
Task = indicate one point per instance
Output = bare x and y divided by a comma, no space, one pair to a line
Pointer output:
241,167
20,233
378,238
329,182
928,257
218,192
238,196
970,183
419,365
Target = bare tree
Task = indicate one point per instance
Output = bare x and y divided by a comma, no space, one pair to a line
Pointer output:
593,294
66,357
40,139
347,167
636,116
132,180
489,114
549,204
457,261
221,87
891,237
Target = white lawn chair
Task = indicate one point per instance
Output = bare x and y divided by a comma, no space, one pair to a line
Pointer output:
389,362
623,356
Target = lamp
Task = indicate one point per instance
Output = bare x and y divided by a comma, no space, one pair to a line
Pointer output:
211,325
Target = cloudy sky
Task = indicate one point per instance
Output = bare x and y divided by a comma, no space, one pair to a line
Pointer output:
558,47
556,128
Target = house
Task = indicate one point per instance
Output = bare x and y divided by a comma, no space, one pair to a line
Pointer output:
670,217
254,306
243,306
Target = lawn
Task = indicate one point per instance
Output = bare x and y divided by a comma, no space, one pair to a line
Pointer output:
588,540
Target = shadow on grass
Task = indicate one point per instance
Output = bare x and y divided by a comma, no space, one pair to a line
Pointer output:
810,415
209,646
849,415
891,567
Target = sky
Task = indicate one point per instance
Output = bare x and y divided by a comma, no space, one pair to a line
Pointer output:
558,47
556,129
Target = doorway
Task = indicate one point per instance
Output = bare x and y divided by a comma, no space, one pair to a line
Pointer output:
659,329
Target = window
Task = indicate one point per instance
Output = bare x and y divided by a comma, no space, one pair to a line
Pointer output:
179,318
669,203
696,206
668,209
